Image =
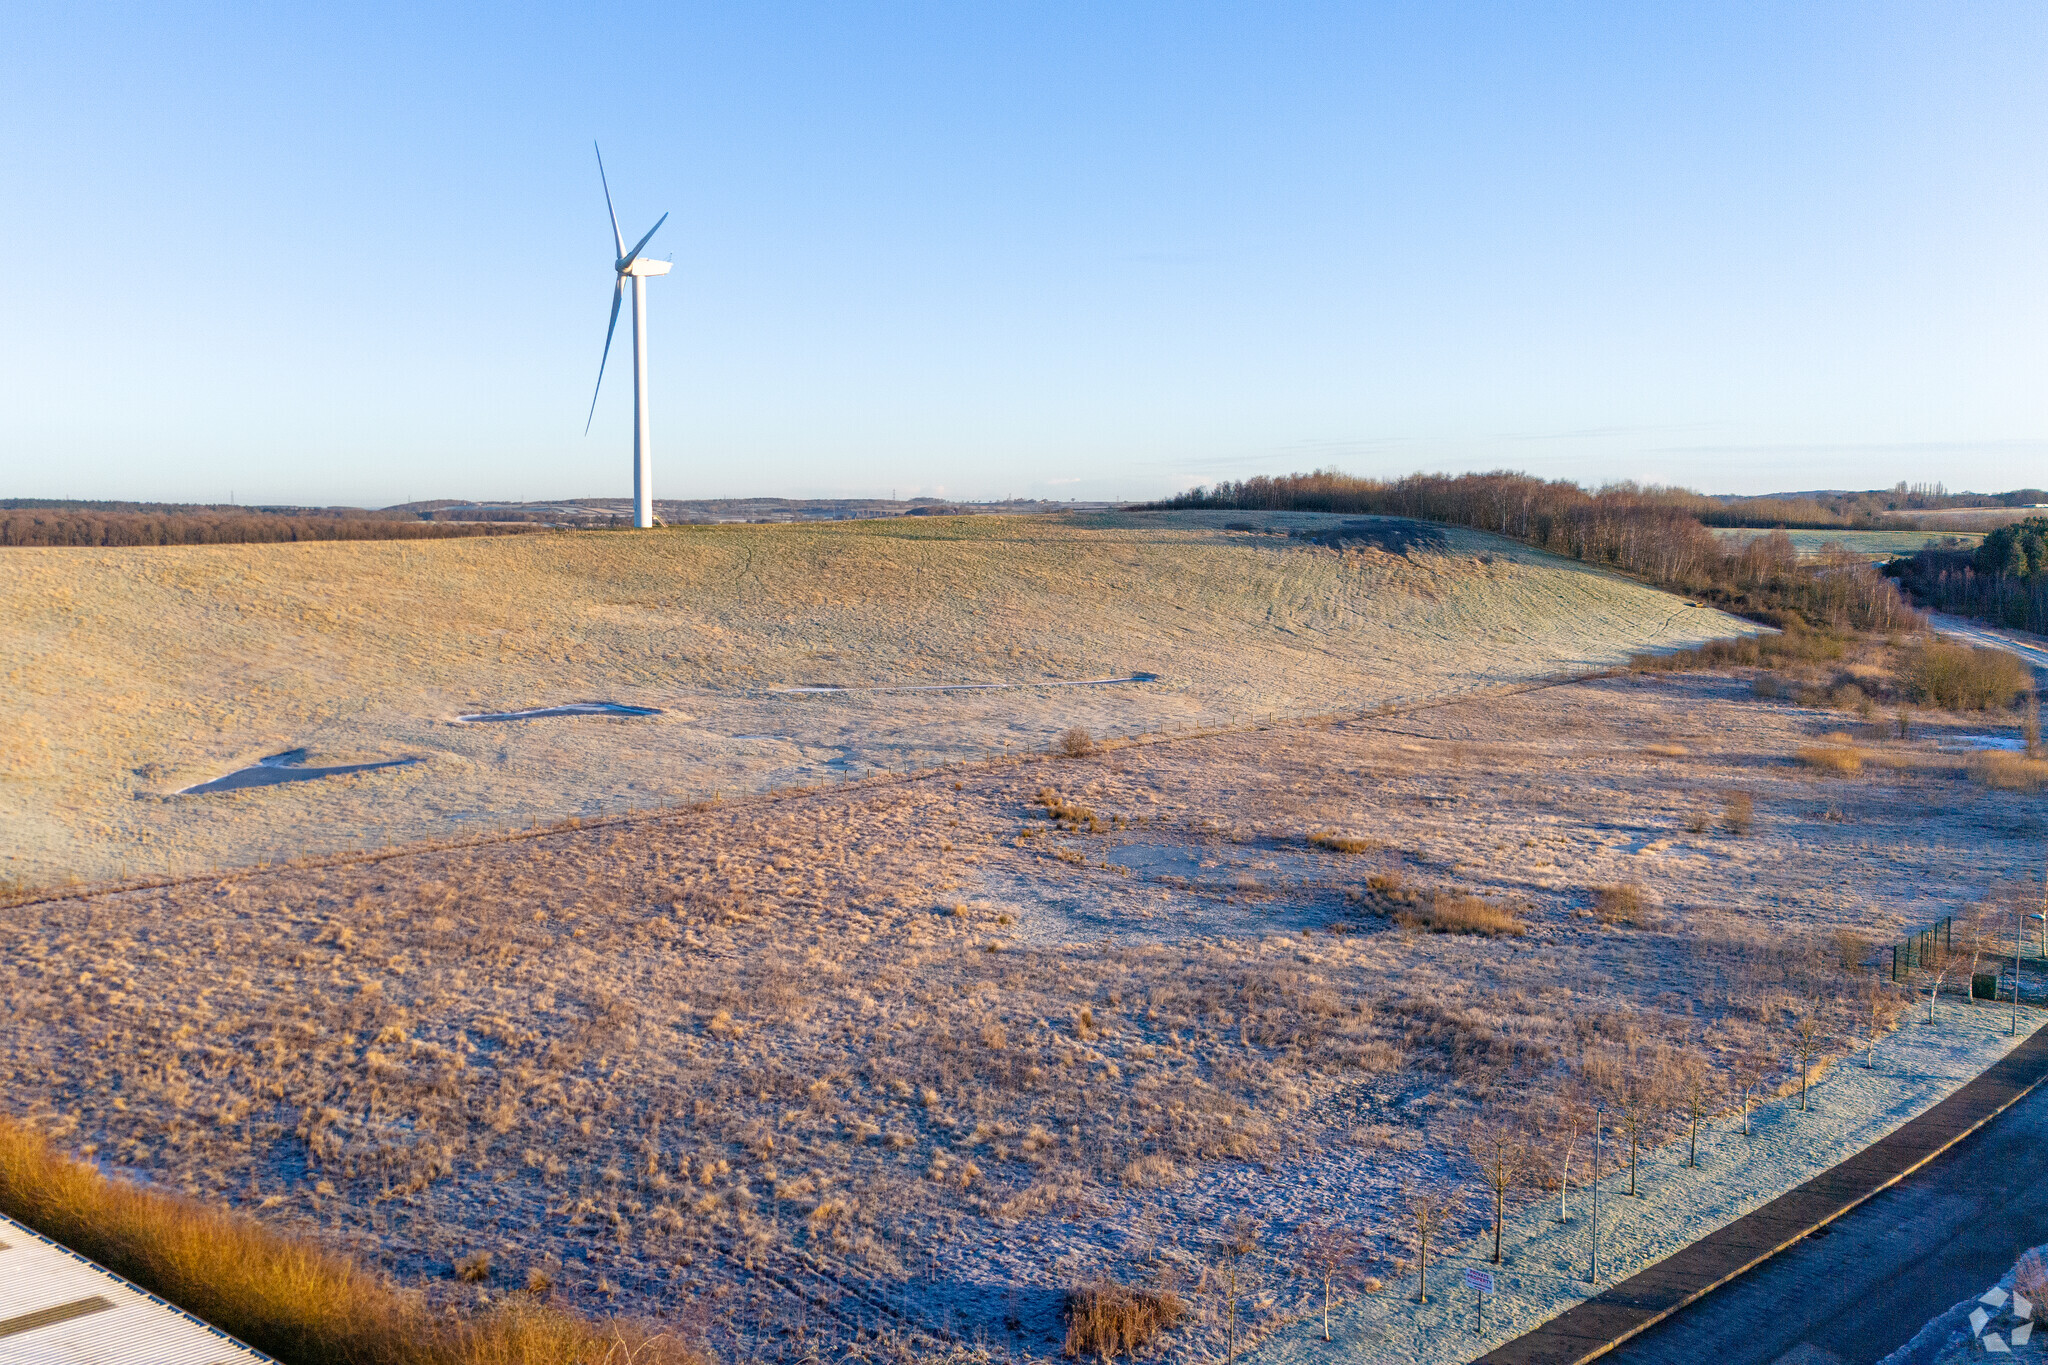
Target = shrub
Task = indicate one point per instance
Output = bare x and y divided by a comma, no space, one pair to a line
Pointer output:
1450,913
1623,904
473,1269
1344,843
281,1295
1106,1319
1965,678
1076,743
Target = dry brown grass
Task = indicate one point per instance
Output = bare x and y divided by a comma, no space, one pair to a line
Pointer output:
1345,843
1738,813
1624,904
1106,1319
2009,772
1837,760
282,1295
1448,912
633,1060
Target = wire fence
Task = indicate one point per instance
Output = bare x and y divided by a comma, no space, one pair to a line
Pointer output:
1923,947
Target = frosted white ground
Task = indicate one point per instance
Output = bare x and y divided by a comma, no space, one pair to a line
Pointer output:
132,675
1547,1262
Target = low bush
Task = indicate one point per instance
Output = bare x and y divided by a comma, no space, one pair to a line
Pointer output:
1344,843
1965,678
1076,743
1106,1319
286,1297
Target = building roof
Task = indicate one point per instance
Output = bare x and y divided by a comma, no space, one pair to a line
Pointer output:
58,1308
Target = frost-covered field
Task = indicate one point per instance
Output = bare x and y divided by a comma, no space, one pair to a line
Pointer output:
133,674
917,1053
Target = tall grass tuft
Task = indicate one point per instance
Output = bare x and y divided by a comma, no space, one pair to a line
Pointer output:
2009,772
1842,760
283,1296
1106,1319
1449,913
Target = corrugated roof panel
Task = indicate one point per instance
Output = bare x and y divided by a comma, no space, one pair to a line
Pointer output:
57,1308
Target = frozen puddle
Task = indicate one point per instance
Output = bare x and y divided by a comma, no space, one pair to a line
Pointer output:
968,687
574,708
285,767
1971,744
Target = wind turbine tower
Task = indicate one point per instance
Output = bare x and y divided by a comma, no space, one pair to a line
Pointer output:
631,265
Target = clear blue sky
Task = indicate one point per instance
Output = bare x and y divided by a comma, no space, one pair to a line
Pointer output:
357,253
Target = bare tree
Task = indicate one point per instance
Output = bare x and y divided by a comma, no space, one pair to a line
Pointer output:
1945,960
1695,1085
1810,1037
1330,1251
1637,1084
1427,1207
1239,1242
1747,1072
1880,1006
1569,1118
1499,1144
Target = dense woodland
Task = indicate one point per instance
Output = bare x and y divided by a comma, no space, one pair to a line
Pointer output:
26,526
2004,580
1654,534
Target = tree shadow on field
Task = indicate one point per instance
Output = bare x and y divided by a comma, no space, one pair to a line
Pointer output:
1395,535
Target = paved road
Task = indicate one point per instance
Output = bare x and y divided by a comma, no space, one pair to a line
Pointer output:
2032,648
1861,1288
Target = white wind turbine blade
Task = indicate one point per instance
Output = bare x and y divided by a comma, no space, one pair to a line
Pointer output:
618,295
618,238
625,261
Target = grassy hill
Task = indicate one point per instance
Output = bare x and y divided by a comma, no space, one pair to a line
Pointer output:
134,673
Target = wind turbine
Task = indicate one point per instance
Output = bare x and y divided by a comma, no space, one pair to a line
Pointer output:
631,264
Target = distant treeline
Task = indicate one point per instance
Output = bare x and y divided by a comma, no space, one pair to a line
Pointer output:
1845,511
2003,581
1655,534
24,527
212,509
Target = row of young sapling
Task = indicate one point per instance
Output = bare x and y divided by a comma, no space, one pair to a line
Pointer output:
1615,1102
